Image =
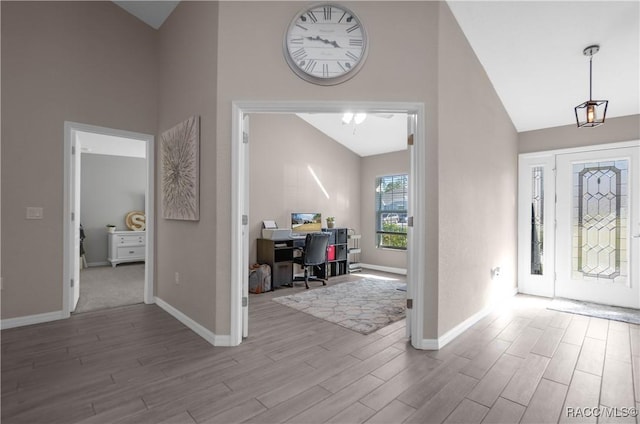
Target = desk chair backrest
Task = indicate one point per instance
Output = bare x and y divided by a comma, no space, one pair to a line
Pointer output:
315,248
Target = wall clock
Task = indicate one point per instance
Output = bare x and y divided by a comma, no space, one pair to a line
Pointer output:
325,44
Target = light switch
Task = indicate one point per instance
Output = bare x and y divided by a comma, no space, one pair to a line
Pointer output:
34,213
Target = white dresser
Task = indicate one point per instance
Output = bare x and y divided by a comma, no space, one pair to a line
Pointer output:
126,246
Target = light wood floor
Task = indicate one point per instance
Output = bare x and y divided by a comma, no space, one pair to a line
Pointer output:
136,364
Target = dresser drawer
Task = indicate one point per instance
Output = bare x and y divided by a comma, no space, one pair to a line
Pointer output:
131,252
129,240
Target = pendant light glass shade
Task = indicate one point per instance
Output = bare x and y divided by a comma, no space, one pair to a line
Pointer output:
592,112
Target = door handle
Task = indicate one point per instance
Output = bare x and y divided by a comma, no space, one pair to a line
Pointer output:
636,236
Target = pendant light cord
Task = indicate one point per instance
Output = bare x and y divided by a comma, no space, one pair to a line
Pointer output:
590,75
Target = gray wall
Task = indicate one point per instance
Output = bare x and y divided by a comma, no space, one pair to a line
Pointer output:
111,186
624,128
386,76
281,149
61,61
188,54
477,174
373,167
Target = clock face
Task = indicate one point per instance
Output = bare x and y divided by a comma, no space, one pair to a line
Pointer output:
325,44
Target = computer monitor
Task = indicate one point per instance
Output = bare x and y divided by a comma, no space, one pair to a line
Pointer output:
306,222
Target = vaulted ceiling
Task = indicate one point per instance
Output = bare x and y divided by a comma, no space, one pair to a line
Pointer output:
532,53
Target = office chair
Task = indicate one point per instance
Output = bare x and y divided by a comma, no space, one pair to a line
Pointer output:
314,253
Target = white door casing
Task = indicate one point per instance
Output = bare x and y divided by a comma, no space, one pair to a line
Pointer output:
245,227
240,188
77,171
560,232
71,211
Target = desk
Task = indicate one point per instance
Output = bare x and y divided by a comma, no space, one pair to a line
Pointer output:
278,254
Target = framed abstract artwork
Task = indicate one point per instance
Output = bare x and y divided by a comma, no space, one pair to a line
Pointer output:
180,171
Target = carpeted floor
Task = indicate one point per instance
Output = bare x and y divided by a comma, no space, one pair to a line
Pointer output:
364,306
107,287
595,310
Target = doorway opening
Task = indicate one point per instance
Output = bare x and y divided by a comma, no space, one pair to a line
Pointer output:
241,199
108,246
579,225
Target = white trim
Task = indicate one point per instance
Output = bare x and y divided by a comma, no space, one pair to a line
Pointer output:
149,205
606,146
93,264
417,234
206,334
446,338
238,180
546,285
32,319
68,227
391,270
239,184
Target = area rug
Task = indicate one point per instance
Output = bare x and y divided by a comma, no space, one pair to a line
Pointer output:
595,310
364,306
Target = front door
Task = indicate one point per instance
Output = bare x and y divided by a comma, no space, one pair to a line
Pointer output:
598,226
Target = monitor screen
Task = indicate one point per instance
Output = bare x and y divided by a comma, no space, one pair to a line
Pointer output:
306,222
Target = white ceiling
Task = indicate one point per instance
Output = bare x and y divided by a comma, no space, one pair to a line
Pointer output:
151,12
377,134
100,144
532,53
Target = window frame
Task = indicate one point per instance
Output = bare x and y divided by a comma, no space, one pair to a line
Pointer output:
399,212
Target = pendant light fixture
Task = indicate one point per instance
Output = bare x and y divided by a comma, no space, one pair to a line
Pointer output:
591,113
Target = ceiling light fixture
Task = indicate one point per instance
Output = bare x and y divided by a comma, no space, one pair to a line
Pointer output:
349,117
359,118
591,113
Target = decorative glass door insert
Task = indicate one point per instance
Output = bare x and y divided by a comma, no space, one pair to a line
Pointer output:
537,219
600,221
597,255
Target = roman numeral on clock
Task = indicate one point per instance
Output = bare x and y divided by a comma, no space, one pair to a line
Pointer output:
351,56
312,17
355,42
310,66
299,54
327,13
353,28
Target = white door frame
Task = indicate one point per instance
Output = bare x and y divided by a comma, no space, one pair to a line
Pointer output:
527,282
416,238
71,256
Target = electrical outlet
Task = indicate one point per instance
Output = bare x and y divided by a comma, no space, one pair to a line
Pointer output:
177,278
495,272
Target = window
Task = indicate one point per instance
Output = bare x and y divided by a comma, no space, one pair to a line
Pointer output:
391,211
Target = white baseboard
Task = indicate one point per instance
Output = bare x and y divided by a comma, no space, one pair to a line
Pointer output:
401,271
91,264
31,319
446,338
215,340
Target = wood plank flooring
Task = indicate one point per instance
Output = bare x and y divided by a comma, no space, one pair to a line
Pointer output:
137,364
